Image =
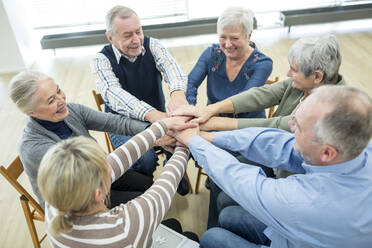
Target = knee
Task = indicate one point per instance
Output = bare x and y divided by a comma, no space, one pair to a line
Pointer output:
224,200
230,215
150,158
214,237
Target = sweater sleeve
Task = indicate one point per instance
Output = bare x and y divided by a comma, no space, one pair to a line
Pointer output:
147,211
108,122
259,98
31,151
123,157
143,214
197,75
280,122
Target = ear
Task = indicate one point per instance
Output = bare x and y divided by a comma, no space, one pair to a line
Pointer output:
250,34
109,37
318,79
98,195
31,113
328,154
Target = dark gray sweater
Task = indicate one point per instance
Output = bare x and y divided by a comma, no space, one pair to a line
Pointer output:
36,140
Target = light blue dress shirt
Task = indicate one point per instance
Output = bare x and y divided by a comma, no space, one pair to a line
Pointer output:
327,206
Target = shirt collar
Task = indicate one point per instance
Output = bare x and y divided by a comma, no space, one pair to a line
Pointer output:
118,54
341,168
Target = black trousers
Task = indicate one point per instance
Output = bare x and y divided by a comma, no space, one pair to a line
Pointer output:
175,225
129,186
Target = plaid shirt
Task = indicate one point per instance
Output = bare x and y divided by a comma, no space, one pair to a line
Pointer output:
122,101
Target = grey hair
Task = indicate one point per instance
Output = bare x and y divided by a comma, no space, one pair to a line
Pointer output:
22,88
317,53
348,126
117,11
235,16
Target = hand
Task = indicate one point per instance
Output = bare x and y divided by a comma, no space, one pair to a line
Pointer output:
185,135
177,99
155,115
179,123
202,114
167,142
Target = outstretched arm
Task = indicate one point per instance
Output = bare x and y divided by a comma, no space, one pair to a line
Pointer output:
113,94
203,114
124,156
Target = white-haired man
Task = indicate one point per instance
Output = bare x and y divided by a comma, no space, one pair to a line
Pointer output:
129,75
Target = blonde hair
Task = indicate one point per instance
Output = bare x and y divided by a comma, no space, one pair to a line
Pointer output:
69,175
22,88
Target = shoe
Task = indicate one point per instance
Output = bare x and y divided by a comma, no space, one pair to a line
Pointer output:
207,183
183,187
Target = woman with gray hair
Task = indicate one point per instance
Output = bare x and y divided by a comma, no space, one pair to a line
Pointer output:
51,120
232,66
313,61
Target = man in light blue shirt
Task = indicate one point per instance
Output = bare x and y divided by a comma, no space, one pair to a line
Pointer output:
328,205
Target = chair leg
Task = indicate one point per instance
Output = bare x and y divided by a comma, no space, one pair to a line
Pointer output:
188,180
30,222
198,180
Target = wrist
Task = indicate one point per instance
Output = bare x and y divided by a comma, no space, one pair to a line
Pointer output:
178,93
225,106
155,115
188,139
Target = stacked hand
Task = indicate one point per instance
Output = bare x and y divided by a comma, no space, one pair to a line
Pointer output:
174,124
183,121
200,114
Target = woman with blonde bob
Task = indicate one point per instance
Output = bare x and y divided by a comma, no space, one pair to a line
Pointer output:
75,177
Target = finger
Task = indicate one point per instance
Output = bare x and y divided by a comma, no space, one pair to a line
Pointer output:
180,144
183,112
197,120
168,111
184,126
169,149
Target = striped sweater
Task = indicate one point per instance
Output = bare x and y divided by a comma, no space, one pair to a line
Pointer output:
131,224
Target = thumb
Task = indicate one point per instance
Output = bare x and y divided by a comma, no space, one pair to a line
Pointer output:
197,120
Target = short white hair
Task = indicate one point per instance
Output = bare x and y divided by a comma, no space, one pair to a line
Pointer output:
348,126
317,53
235,16
117,11
22,88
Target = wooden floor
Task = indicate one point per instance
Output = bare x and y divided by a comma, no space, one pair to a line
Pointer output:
73,74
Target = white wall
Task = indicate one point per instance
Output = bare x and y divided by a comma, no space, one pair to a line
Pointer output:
17,46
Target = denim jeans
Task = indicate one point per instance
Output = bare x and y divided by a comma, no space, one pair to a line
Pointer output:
238,229
146,164
219,199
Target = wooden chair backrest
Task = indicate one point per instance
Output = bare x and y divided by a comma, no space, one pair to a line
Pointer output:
272,109
99,101
11,174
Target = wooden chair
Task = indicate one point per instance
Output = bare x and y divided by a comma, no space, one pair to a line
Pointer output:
200,170
99,101
272,109
31,208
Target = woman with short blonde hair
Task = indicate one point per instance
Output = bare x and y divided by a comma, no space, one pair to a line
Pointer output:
75,177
